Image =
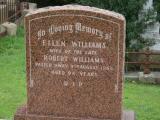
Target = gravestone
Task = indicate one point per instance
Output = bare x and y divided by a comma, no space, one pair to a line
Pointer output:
75,61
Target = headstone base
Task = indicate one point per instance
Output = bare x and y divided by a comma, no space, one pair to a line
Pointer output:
21,114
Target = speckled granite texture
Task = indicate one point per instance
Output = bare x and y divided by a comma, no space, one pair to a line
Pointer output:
75,63
21,114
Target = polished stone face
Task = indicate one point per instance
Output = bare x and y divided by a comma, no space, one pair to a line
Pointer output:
75,60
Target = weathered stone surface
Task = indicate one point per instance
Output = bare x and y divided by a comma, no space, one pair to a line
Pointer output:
11,28
129,115
2,31
32,6
75,61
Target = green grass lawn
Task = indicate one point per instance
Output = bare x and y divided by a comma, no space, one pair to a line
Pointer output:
12,74
142,98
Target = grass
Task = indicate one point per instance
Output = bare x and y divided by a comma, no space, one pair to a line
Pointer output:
12,74
142,98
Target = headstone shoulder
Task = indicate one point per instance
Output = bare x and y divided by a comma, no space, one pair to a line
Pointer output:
78,8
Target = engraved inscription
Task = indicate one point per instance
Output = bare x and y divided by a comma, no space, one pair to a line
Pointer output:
72,56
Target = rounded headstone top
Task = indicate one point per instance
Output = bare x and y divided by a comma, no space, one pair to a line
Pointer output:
78,7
